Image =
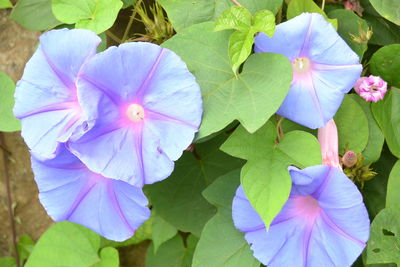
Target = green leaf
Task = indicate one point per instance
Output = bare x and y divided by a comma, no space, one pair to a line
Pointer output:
67,244
384,243
34,15
221,244
264,21
374,191
235,17
372,151
352,29
178,199
25,246
103,45
392,195
128,3
352,124
240,44
185,13
389,9
387,114
8,262
8,123
162,231
95,15
297,7
5,4
252,97
109,258
386,63
265,178
173,253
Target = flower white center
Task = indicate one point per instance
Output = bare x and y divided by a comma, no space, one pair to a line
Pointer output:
135,113
301,65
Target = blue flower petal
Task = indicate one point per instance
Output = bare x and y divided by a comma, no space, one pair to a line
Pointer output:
45,97
69,191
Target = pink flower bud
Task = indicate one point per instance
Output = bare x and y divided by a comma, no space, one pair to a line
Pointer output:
372,88
349,159
328,139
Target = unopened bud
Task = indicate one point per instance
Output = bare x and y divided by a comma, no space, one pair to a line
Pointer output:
349,159
372,88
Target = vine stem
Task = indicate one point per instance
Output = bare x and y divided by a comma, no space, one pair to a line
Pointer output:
236,2
131,19
6,155
323,5
279,127
113,36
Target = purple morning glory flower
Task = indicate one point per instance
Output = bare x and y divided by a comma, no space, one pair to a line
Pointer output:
324,67
68,190
323,223
146,107
45,97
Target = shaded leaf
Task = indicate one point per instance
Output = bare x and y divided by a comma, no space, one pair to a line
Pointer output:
393,186
386,63
162,231
5,4
352,124
221,244
178,199
389,9
34,15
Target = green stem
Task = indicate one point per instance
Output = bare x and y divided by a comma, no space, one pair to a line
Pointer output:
131,19
236,2
113,36
323,5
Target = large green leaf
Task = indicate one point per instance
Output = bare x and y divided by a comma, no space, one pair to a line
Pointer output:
34,14
387,114
185,13
297,7
386,63
352,29
389,9
252,97
265,178
8,123
393,187
172,253
67,244
372,151
178,199
384,242
221,244
95,15
352,124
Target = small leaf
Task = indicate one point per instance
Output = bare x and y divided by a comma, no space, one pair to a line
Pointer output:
221,244
25,246
95,15
34,15
162,231
384,243
389,9
68,244
352,126
8,123
235,17
386,63
5,4
264,21
8,262
392,195
296,7
240,45
265,178
387,114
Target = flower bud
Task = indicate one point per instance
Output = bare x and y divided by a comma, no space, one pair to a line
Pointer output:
328,139
349,159
372,88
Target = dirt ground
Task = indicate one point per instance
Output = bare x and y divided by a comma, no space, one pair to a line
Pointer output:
16,47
